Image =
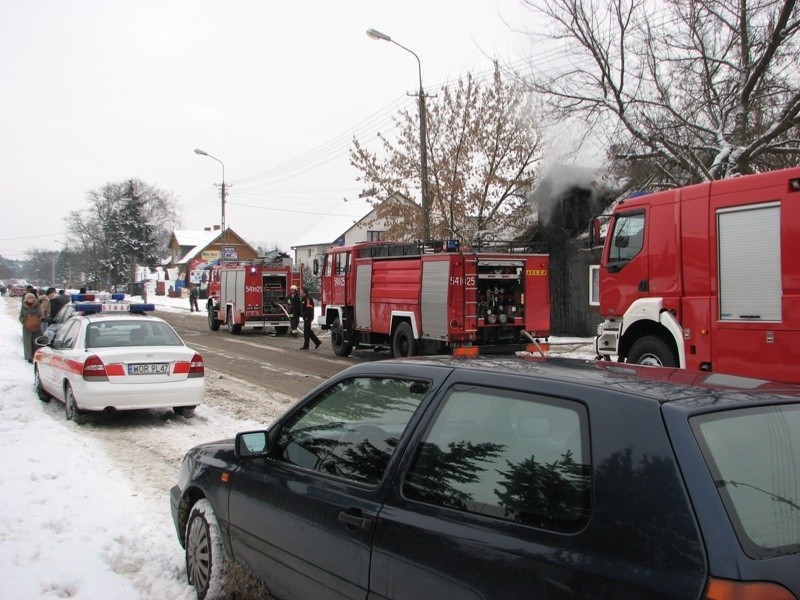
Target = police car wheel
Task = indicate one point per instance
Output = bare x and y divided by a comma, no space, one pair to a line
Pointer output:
73,413
185,411
40,392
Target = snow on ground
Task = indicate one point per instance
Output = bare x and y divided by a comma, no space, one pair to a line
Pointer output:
85,510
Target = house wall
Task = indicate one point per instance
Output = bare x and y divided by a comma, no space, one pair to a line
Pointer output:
359,232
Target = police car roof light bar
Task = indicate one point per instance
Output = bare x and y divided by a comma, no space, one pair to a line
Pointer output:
96,297
88,308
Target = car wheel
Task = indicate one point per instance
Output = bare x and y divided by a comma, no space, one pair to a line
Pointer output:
403,342
653,351
43,395
213,323
340,346
205,557
185,411
74,414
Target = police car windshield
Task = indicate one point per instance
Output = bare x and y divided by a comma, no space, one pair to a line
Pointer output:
118,333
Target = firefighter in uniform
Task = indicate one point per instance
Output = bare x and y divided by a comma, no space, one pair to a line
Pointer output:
296,306
308,317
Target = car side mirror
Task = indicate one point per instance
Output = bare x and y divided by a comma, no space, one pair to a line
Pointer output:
251,444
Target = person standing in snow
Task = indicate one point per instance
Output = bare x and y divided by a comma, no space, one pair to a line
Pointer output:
308,317
44,310
194,294
296,306
30,308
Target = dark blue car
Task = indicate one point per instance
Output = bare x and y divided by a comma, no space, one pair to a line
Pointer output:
506,478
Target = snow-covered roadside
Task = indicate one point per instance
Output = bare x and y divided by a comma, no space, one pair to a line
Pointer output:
85,510
70,524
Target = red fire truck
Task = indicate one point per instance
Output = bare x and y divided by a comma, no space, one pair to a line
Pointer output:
433,297
706,277
251,294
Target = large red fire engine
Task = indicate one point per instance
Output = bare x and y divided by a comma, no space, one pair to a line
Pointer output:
433,297
706,277
251,294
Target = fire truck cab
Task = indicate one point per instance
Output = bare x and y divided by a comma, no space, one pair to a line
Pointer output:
706,277
415,298
251,294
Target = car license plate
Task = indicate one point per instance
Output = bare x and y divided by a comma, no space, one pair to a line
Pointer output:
148,369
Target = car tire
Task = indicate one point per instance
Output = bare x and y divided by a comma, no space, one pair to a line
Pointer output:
403,342
185,411
340,346
205,556
653,351
40,391
74,414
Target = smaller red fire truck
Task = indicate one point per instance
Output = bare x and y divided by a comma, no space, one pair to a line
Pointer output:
415,298
251,294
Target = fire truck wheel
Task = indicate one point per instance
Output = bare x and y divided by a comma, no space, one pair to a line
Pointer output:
281,330
233,327
403,342
213,323
341,347
652,350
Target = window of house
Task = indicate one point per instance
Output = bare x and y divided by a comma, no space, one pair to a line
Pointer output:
376,236
506,454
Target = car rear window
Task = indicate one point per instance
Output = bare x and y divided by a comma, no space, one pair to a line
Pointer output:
754,457
114,334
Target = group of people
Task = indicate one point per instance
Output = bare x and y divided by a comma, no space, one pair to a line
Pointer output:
39,308
302,307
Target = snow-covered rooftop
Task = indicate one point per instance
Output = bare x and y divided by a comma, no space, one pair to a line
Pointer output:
333,226
196,239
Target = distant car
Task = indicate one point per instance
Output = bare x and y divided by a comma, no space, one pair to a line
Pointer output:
17,289
504,478
113,356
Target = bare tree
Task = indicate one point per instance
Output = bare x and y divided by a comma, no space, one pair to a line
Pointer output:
683,90
483,145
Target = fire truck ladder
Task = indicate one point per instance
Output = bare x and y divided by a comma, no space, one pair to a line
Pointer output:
471,294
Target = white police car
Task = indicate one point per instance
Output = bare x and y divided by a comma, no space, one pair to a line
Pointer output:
113,356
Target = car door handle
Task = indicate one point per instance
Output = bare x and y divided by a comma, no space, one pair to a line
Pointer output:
353,518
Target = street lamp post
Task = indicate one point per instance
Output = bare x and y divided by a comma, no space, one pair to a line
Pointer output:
423,146
222,191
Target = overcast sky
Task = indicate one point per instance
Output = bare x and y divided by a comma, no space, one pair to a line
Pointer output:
97,91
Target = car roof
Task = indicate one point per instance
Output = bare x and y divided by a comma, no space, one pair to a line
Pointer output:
685,389
119,316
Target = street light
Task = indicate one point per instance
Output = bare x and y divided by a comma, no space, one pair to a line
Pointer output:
222,192
423,147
